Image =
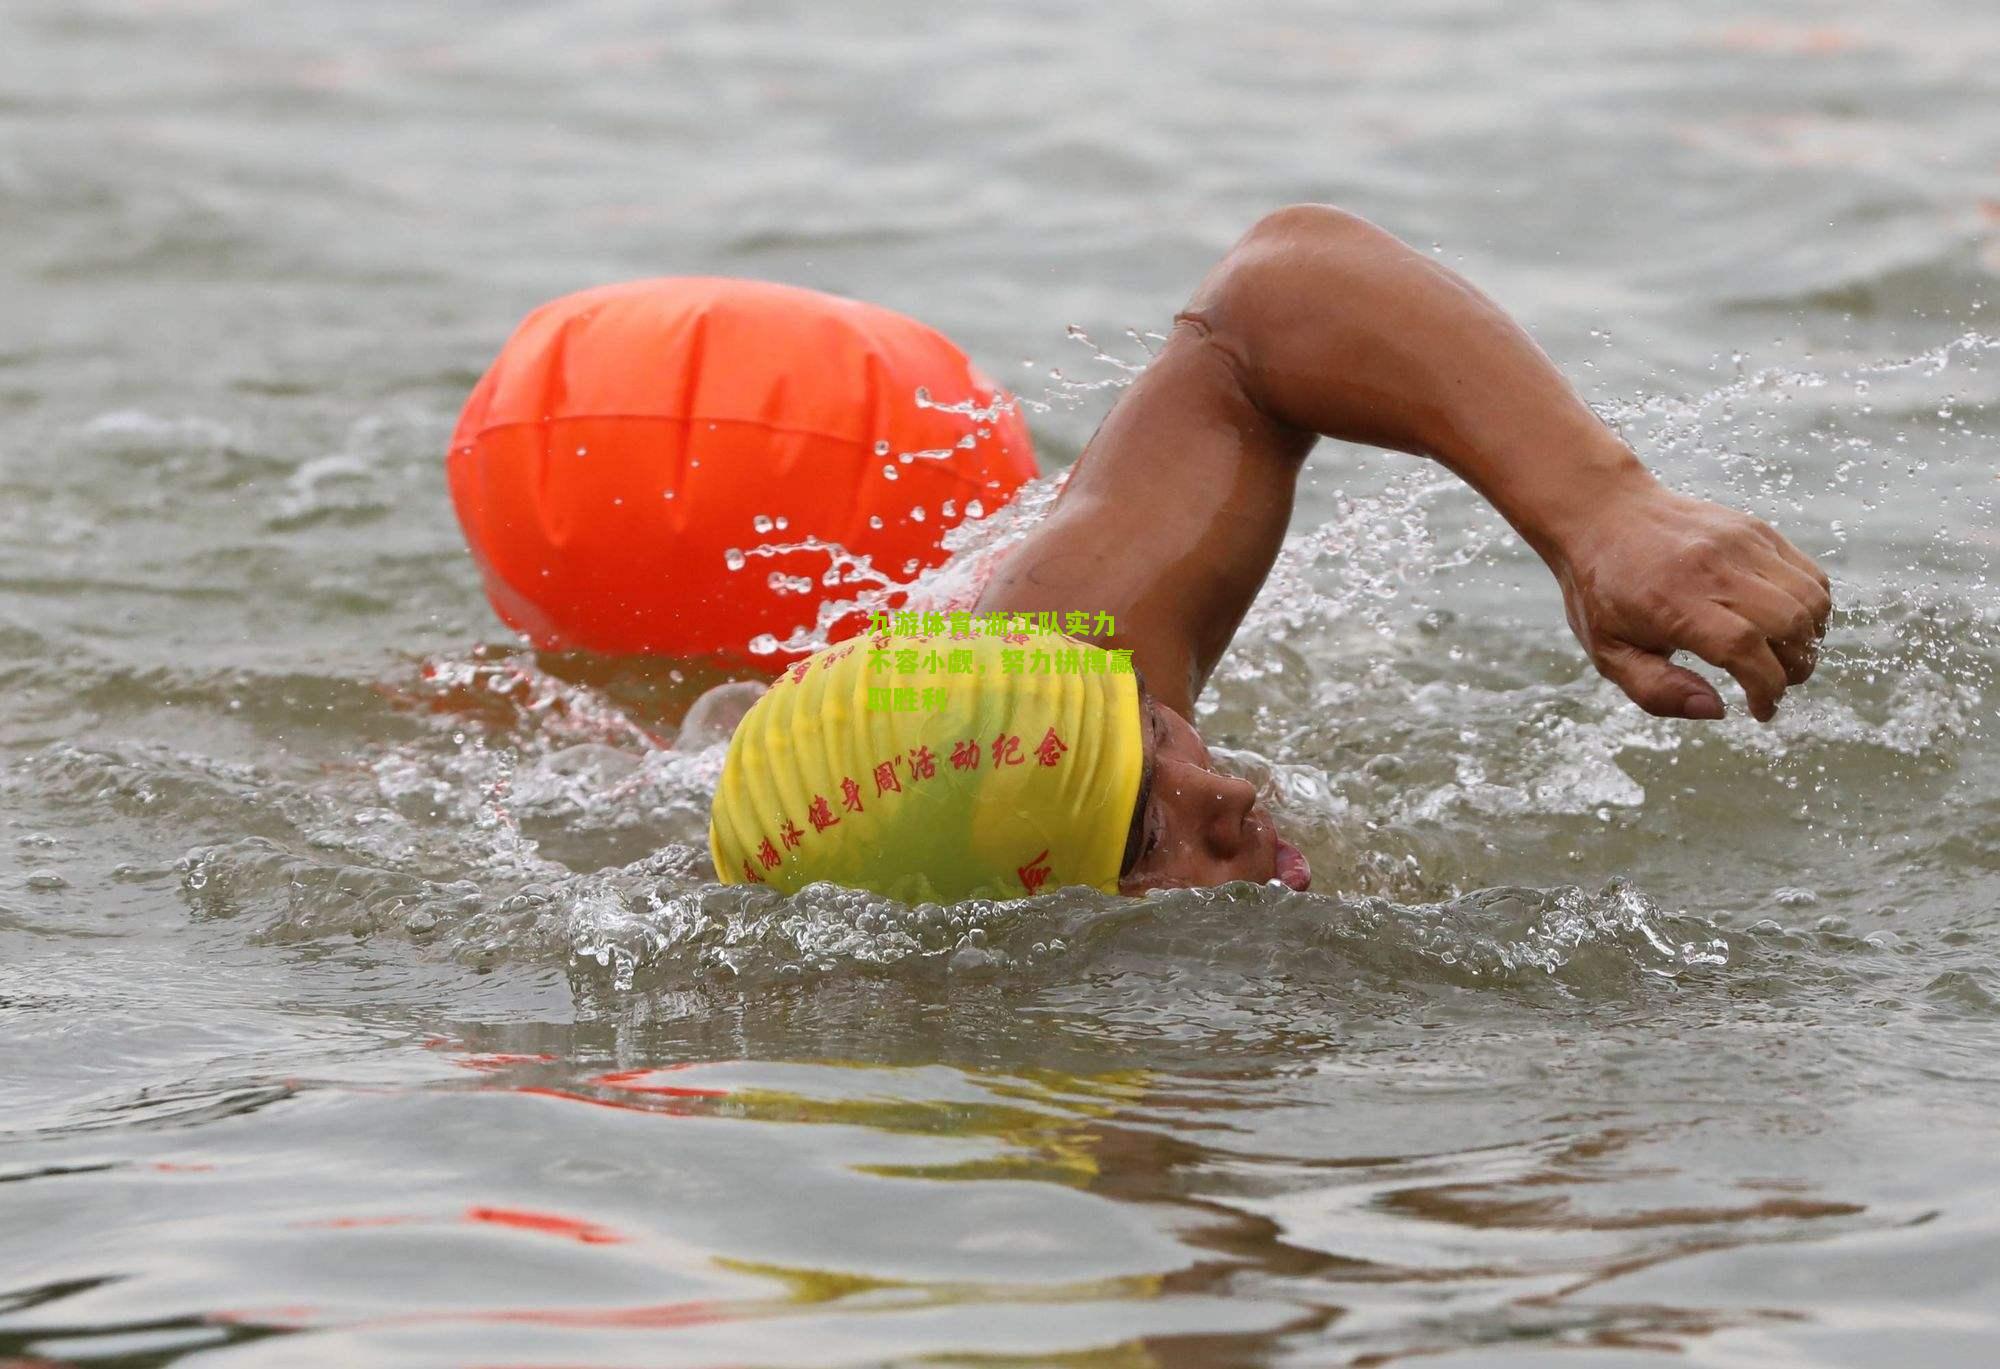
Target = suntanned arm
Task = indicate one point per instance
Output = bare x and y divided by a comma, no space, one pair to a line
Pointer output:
1319,323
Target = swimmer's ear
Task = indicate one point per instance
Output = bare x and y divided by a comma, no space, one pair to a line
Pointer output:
1656,684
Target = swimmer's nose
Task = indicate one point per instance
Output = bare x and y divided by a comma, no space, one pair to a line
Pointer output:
1227,823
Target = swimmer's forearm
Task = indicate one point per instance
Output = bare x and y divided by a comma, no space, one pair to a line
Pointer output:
1332,326
1337,328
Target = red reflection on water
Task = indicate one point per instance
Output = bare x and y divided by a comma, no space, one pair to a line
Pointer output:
626,1079
657,1317
517,1218
548,1223
654,1317
537,1091
650,1109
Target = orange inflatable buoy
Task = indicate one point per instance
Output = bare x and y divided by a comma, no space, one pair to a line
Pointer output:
619,466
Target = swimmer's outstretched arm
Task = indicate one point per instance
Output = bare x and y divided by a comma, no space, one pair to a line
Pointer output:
1319,323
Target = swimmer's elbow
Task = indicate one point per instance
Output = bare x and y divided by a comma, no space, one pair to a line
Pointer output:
1259,279
1299,225
1277,286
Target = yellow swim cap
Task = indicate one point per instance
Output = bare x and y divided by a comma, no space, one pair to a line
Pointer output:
1016,772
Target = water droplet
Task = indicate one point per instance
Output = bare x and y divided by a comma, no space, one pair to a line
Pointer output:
888,472
874,520
734,559
917,514
882,447
762,522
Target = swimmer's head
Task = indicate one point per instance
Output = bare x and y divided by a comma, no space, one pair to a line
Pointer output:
1013,782
998,783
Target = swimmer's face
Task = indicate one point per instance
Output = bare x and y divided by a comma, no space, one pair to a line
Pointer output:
1193,827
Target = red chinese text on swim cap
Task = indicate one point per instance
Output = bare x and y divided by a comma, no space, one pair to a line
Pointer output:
1034,874
886,779
922,763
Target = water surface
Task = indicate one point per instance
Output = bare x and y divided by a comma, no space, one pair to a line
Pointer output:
365,994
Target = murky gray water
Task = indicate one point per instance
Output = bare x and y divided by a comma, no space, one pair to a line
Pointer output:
363,997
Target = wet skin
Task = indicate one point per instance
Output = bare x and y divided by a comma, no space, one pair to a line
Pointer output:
1193,826
1315,324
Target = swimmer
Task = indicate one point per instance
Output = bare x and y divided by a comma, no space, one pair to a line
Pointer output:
1316,324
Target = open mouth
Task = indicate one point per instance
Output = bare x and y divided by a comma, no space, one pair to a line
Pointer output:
1293,872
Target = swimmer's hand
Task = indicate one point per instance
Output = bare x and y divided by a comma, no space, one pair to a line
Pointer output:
1649,572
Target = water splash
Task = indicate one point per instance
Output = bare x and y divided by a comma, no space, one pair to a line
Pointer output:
972,545
534,818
